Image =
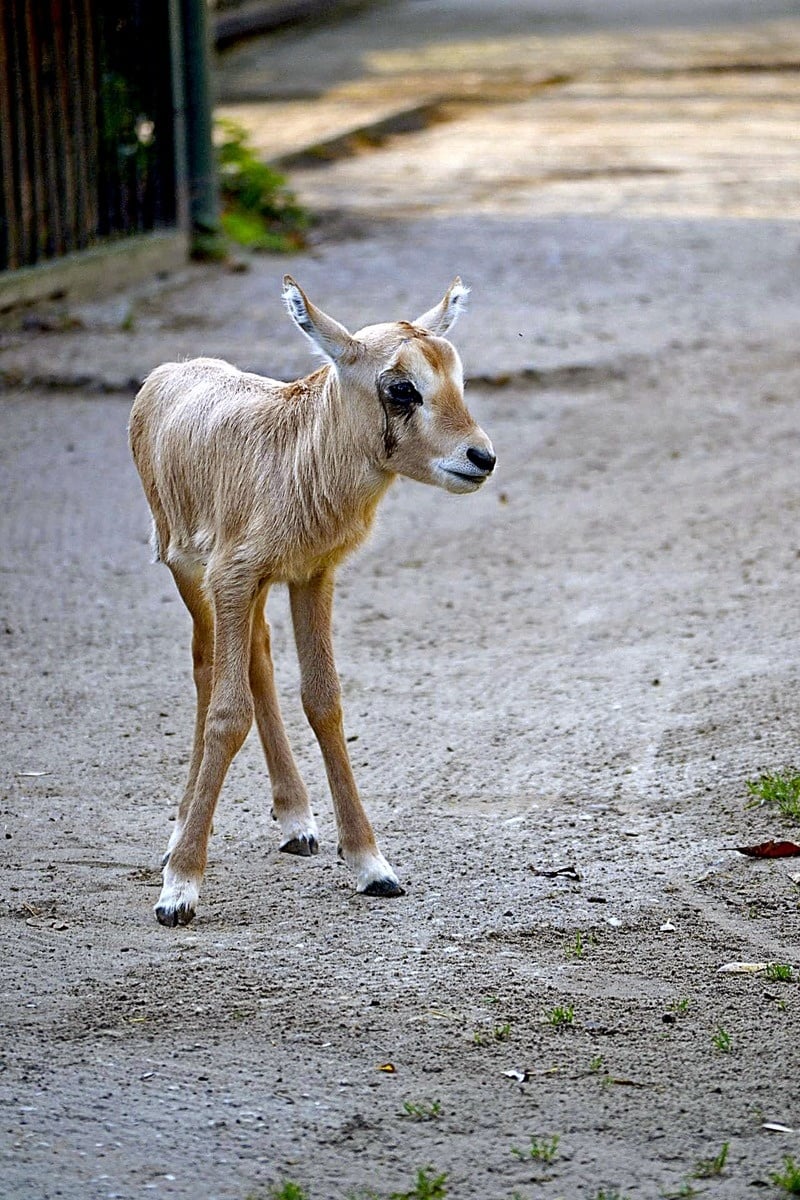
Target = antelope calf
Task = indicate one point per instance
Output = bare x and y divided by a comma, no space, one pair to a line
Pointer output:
253,482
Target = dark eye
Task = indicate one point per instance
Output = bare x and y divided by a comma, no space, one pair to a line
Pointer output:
404,392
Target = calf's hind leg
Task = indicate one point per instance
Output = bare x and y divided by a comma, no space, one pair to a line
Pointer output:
290,805
312,610
189,581
227,721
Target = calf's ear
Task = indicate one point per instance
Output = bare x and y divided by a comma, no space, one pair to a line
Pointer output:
329,338
444,315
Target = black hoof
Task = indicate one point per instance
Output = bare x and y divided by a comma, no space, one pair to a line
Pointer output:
384,887
174,916
305,846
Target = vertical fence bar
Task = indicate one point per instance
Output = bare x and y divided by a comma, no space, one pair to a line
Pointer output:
10,248
18,70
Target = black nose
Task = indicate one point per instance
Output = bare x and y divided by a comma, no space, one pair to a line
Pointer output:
481,458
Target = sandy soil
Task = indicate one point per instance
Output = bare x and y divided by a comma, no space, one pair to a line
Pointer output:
579,667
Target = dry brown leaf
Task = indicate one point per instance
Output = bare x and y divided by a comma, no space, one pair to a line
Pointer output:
770,850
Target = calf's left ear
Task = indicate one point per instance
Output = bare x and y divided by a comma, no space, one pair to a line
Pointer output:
444,315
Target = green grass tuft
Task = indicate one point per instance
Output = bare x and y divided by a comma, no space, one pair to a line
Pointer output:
781,788
561,1017
540,1150
708,1168
789,1178
723,1041
288,1191
426,1187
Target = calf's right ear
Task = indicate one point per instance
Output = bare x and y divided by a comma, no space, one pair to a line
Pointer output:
329,338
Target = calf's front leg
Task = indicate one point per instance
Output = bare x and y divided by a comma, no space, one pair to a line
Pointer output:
312,611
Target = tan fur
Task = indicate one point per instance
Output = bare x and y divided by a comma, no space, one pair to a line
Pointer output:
253,482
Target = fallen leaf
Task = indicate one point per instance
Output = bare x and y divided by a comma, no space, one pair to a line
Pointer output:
520,1076
741,968
667,927
31,774
570,872
776,1127
770,850
389,1068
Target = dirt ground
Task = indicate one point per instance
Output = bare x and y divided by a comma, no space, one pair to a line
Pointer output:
579,667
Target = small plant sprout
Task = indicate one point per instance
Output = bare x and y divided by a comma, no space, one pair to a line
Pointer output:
723,1041
288,1191
426,1187
422,1112
779,972
561,1017
684,1192
501,1033
610,1194
597,1064
781,788
577,947
540,1150
708,1168
680,1007
789,1178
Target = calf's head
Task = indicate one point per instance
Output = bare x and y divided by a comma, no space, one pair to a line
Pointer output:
408,382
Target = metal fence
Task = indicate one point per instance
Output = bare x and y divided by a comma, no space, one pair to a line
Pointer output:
87,135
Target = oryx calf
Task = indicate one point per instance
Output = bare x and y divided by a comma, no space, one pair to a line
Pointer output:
253,482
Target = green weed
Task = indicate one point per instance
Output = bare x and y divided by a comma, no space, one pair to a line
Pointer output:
789,1178
779,972
288,1191
723,1041
422,1112
684,1192
576,948
426,1187
540,1150
781,788
707,1168
561,1017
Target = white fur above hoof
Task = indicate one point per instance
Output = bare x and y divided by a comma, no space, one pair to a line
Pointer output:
177,902
171,844
374,876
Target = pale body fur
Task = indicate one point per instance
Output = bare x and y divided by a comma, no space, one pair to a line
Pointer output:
253,482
